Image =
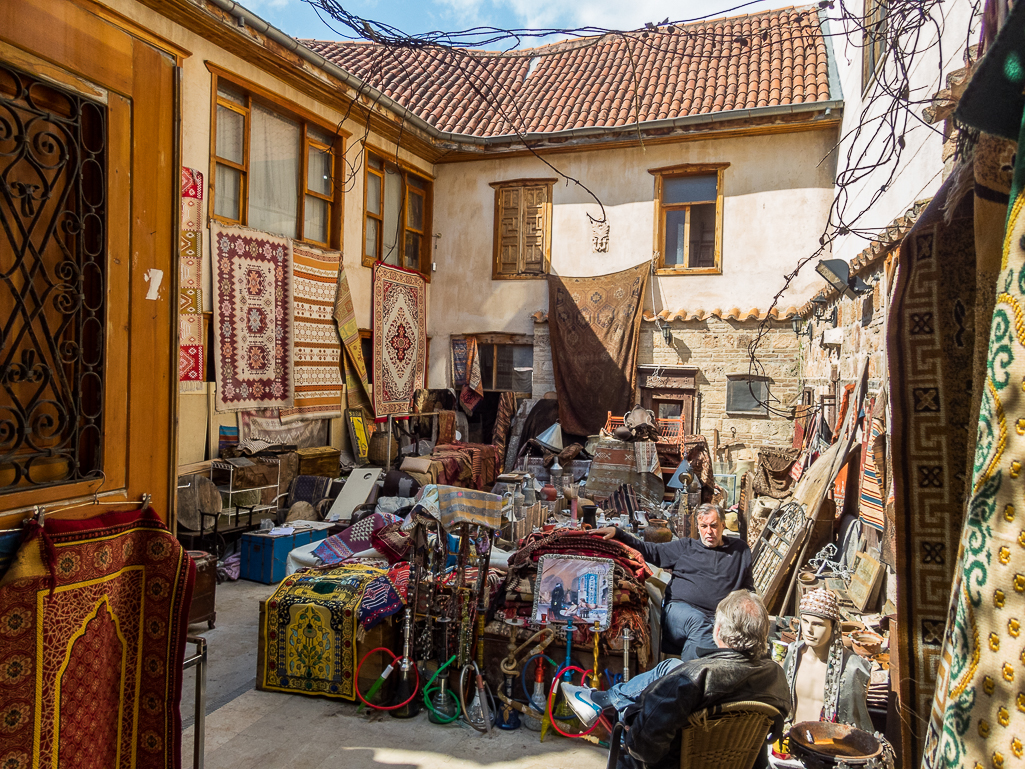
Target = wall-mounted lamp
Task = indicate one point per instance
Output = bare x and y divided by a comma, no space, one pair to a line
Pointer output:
667,333
838,275
818,307
795,323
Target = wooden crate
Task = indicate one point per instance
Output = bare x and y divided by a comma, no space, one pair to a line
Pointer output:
322,460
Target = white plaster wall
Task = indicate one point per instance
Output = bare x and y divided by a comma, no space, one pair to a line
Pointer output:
777,192
197,82
920,169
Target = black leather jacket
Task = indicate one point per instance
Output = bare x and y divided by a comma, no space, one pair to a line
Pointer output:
716,677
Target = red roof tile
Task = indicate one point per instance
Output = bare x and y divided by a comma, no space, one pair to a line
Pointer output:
765,59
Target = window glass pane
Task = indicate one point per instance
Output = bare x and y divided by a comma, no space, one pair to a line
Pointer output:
415,211
392,250
416,182
315,219
514,367
487,364
675,243
374,194
689,189
228,93
375,162
230,132
372,236
367,346
318,172
226,192
320,135
273,173
746,395
702,236
669,409
414,245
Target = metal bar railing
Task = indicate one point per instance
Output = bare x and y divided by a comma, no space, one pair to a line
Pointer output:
198,661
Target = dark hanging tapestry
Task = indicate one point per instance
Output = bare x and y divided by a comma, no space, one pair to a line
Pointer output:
594,325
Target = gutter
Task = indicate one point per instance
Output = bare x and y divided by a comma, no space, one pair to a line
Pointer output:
835,89
332,69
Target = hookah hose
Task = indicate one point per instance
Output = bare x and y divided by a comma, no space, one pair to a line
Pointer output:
427,694
387,672
523,677
551,700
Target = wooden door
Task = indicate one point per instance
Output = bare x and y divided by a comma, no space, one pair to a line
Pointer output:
88,280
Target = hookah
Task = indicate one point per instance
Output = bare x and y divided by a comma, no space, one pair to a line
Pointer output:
626,654
442,706
406,689
477,713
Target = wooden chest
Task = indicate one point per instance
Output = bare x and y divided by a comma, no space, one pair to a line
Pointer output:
202,609
322,460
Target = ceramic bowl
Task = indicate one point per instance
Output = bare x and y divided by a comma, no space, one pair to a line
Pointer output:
866,643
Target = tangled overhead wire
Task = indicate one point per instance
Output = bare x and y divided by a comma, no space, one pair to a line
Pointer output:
901,34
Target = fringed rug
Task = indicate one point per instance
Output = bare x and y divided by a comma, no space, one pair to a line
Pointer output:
355,539
931,344
357,386
253,327
309,632
978,715
318,349
400,338
594,325
191,342
93,619
384,596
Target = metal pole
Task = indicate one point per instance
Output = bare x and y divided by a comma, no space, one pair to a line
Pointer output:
199,662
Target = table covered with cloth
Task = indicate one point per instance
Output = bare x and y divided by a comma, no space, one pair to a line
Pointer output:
629,600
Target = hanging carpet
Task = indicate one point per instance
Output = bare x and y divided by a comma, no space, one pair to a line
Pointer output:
191,341
317,374
594,324
253,324
772,478
400,338
93,619
930,340
978,714
309,632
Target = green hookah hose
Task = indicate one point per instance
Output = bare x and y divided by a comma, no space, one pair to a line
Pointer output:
427,692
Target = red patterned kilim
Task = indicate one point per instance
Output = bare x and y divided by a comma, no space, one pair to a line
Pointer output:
93,618
400,338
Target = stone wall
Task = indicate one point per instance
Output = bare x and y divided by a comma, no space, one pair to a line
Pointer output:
716,348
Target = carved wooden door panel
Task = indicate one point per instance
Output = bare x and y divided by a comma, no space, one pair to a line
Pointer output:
87,269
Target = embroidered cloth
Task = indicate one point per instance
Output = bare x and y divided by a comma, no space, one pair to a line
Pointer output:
930,340
460,361
253,328
264,424
594,325
309,632
384,596
93,619
400,338
458,505
317,372
191,341
355,539
977,716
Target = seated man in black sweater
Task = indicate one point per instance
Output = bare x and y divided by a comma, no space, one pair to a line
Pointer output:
705,570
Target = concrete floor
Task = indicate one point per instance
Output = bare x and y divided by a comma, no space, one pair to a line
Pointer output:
269,730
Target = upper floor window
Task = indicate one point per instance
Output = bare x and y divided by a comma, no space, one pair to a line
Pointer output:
523,228
274,169
689,215
397,222
874,40
747,394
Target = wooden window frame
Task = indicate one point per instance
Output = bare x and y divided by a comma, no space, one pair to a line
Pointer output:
496,259
763,412
688,169
873,44
495,340
405,171
256,94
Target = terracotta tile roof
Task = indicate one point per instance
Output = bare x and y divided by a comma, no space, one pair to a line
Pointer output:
733,313
743,62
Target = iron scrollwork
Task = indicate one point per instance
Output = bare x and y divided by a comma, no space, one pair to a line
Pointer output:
53,283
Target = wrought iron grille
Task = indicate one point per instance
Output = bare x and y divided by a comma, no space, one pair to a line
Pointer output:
52,283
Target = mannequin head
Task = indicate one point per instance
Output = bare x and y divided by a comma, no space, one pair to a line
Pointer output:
820,618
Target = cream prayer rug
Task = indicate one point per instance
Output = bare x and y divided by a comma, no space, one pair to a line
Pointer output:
400,338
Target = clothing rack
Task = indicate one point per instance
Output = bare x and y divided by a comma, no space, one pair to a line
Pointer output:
39,512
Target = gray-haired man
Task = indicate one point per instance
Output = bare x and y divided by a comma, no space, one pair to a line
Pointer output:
705,570
654,706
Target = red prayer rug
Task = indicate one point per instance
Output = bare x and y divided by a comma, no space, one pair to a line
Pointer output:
318,348
400,338
253,326
93,619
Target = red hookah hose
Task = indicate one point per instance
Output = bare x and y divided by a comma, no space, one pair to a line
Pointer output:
551,698
394,658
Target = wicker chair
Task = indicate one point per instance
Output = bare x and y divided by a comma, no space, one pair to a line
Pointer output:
728,736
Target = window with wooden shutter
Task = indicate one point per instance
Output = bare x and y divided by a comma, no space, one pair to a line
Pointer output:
523,228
